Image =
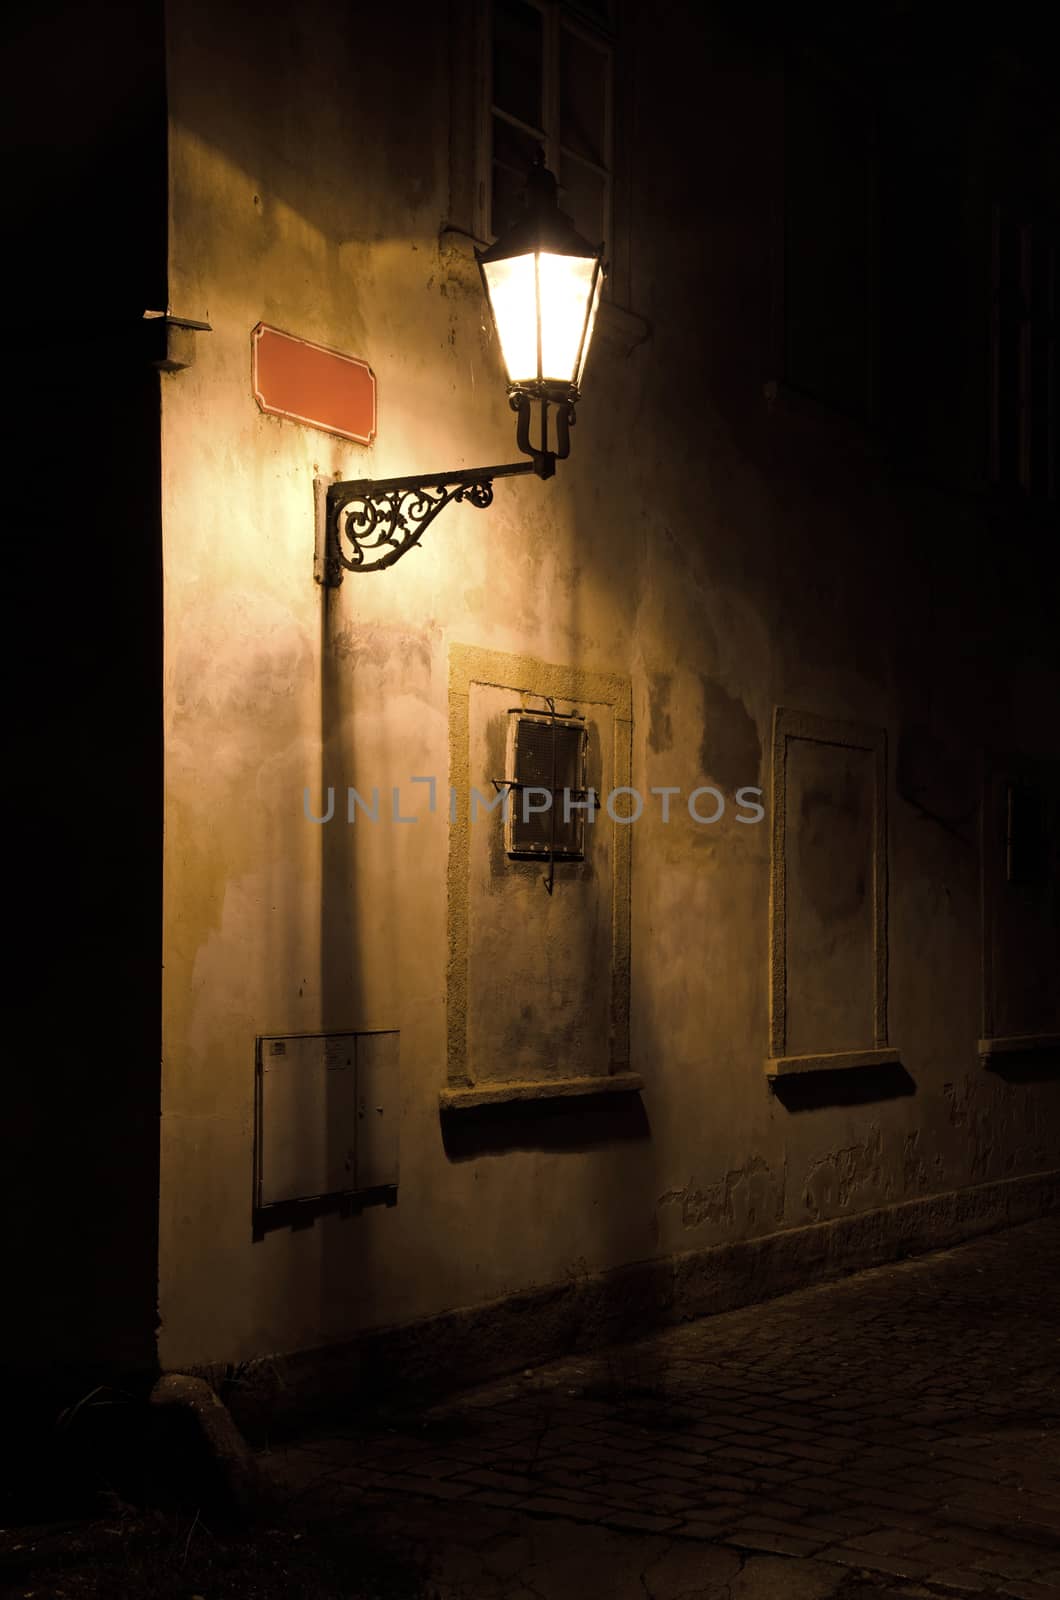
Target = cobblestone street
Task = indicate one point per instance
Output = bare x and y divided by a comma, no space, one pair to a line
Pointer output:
896,1431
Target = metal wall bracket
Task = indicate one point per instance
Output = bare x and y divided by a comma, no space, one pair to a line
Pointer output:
173,339
366,525
369,523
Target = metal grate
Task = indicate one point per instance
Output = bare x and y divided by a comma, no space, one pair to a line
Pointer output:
548,755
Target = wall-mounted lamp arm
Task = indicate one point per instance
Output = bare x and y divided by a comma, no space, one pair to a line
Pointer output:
544,459
368,524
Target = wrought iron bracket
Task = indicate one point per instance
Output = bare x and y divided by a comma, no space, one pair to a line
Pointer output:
369,523
366,525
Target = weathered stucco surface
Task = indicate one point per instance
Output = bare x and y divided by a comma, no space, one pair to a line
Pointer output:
722,557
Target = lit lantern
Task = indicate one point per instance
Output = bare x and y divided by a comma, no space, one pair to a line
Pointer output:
543,283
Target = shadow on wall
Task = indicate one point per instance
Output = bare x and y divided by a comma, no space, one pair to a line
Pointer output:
1030,1066
852,1086
547,1125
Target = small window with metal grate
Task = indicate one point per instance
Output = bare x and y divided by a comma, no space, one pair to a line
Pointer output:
546,782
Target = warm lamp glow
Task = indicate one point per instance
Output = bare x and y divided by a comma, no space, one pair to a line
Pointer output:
513,300
594,306
543,281
544,306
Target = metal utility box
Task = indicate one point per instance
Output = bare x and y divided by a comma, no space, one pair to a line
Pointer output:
326,1115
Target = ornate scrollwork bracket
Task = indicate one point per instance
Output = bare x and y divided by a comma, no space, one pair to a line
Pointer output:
367,525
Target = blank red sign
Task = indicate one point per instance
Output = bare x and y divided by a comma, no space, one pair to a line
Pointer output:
311,384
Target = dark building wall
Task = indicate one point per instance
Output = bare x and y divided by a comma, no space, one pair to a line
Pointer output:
85,136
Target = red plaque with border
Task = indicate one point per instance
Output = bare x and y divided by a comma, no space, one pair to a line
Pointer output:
311,384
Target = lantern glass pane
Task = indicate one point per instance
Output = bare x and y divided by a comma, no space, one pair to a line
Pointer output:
589,326
513,298
566,286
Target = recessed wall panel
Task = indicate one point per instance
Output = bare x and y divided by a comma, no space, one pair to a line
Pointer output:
829,826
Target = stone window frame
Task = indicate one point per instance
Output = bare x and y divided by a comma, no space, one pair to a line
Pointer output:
523,674
570,847
789,725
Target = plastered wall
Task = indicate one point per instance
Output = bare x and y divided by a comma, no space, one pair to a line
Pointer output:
723,556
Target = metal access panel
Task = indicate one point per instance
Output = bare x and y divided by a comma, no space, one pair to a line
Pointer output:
327,1108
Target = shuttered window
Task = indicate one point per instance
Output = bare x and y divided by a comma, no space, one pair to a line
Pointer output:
546,774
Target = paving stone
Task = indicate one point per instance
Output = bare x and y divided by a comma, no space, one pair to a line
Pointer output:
765,1539
941,1553
888,1541
881,1456
837,1523
766,1577
824,1458
719,1482
901,1506
577,1509
961,1580
895,1566
673,1485
706,1524
433,1488
441,1468
684,1568
830,1488
641,1522
514,1483
788,1420
757,1458
1015,1561
766,1523
687,1462
559,1476
824,1501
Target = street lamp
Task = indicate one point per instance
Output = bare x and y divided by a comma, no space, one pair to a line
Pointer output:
542,282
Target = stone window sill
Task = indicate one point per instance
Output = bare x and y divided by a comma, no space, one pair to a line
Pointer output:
500,1094
830,1061
1018,1044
